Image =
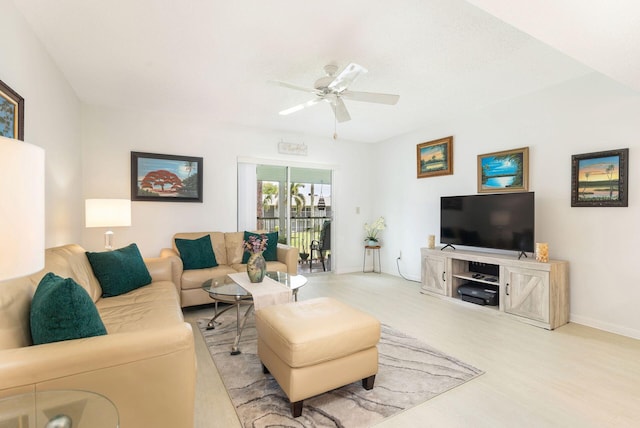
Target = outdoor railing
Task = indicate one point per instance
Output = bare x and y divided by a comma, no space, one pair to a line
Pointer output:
303,229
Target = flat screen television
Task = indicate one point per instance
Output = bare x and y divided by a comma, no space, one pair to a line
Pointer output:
503,221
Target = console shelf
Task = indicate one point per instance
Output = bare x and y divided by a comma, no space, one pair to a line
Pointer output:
532,291
478,277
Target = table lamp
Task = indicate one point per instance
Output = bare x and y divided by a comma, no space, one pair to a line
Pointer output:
21,208
107,213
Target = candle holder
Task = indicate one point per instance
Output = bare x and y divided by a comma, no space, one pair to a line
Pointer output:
542,252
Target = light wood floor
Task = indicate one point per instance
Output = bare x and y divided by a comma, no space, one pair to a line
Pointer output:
574,376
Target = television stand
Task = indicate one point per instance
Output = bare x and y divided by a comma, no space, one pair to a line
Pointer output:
447,246
531,291
522,253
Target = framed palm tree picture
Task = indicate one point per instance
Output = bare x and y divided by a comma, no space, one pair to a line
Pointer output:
600,179
435,158
505,171
166,178
11,113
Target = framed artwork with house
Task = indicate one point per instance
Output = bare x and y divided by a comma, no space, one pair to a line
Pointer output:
435,158
11,113
166,178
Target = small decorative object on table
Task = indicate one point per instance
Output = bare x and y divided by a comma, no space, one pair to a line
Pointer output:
256,265
372,230
431,241
542,252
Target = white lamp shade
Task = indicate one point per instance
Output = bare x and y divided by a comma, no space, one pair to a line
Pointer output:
107,212
21,208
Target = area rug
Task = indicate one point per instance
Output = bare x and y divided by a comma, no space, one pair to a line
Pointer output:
410,372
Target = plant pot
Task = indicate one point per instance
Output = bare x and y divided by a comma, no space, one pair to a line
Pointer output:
371,243
304,256
256,267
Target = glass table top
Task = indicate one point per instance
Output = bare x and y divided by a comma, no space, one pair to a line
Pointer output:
223,286
58,409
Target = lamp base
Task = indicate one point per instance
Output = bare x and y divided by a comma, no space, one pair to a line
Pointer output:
108,240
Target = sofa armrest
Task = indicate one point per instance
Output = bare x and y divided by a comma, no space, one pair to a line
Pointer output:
289,256
141,372
176,265
159,268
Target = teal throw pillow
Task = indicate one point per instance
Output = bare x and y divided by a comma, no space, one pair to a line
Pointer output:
196,253
119,271
270,254
63,310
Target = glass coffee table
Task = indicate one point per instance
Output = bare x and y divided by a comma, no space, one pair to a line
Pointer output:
223,289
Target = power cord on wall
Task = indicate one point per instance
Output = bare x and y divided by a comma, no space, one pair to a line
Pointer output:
400,273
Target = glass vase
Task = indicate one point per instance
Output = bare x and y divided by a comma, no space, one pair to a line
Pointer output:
256,267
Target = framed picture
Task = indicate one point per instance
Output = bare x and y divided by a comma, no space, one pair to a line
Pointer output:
166,178
11,113
506,171
435,158
600,179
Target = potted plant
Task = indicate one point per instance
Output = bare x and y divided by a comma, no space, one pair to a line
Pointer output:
372,230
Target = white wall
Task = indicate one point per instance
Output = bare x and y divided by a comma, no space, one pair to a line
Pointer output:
581,116
109,135
52,121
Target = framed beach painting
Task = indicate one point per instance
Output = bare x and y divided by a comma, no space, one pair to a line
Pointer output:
505,171
600,179
435,158
11,113
166,178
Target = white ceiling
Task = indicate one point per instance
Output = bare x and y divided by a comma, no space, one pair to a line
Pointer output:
214,57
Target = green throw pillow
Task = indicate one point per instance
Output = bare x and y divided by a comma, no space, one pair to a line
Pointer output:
270,254
196,253
119,271
63,310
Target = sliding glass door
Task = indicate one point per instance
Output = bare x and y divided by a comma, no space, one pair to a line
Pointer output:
294,201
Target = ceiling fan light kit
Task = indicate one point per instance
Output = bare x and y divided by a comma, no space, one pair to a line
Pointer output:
333,89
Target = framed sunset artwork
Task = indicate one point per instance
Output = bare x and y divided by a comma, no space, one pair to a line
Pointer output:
435,158
600,179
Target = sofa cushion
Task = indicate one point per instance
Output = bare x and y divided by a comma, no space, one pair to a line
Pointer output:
196,253
70,261
15,304
146,308
270,254
63,310
119,271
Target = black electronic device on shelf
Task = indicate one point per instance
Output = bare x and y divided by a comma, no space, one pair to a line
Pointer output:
480,294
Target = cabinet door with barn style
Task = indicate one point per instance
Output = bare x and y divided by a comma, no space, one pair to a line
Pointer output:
526,293
434,275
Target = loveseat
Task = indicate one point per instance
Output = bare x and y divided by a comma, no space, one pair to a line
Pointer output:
145,363
228,254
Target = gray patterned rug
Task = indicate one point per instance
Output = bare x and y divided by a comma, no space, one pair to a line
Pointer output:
410,372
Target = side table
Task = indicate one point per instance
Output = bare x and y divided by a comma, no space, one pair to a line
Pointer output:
58,409
375,249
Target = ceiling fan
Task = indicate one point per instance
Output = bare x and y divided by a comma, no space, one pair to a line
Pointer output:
333,89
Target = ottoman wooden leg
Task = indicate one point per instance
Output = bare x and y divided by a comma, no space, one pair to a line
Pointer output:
296,409
367,382
265,370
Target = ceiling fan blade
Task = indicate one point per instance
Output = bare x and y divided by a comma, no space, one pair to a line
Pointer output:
292,86
371,97
340,110
300,107
346,77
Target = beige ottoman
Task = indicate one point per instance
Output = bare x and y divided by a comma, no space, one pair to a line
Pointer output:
317,345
